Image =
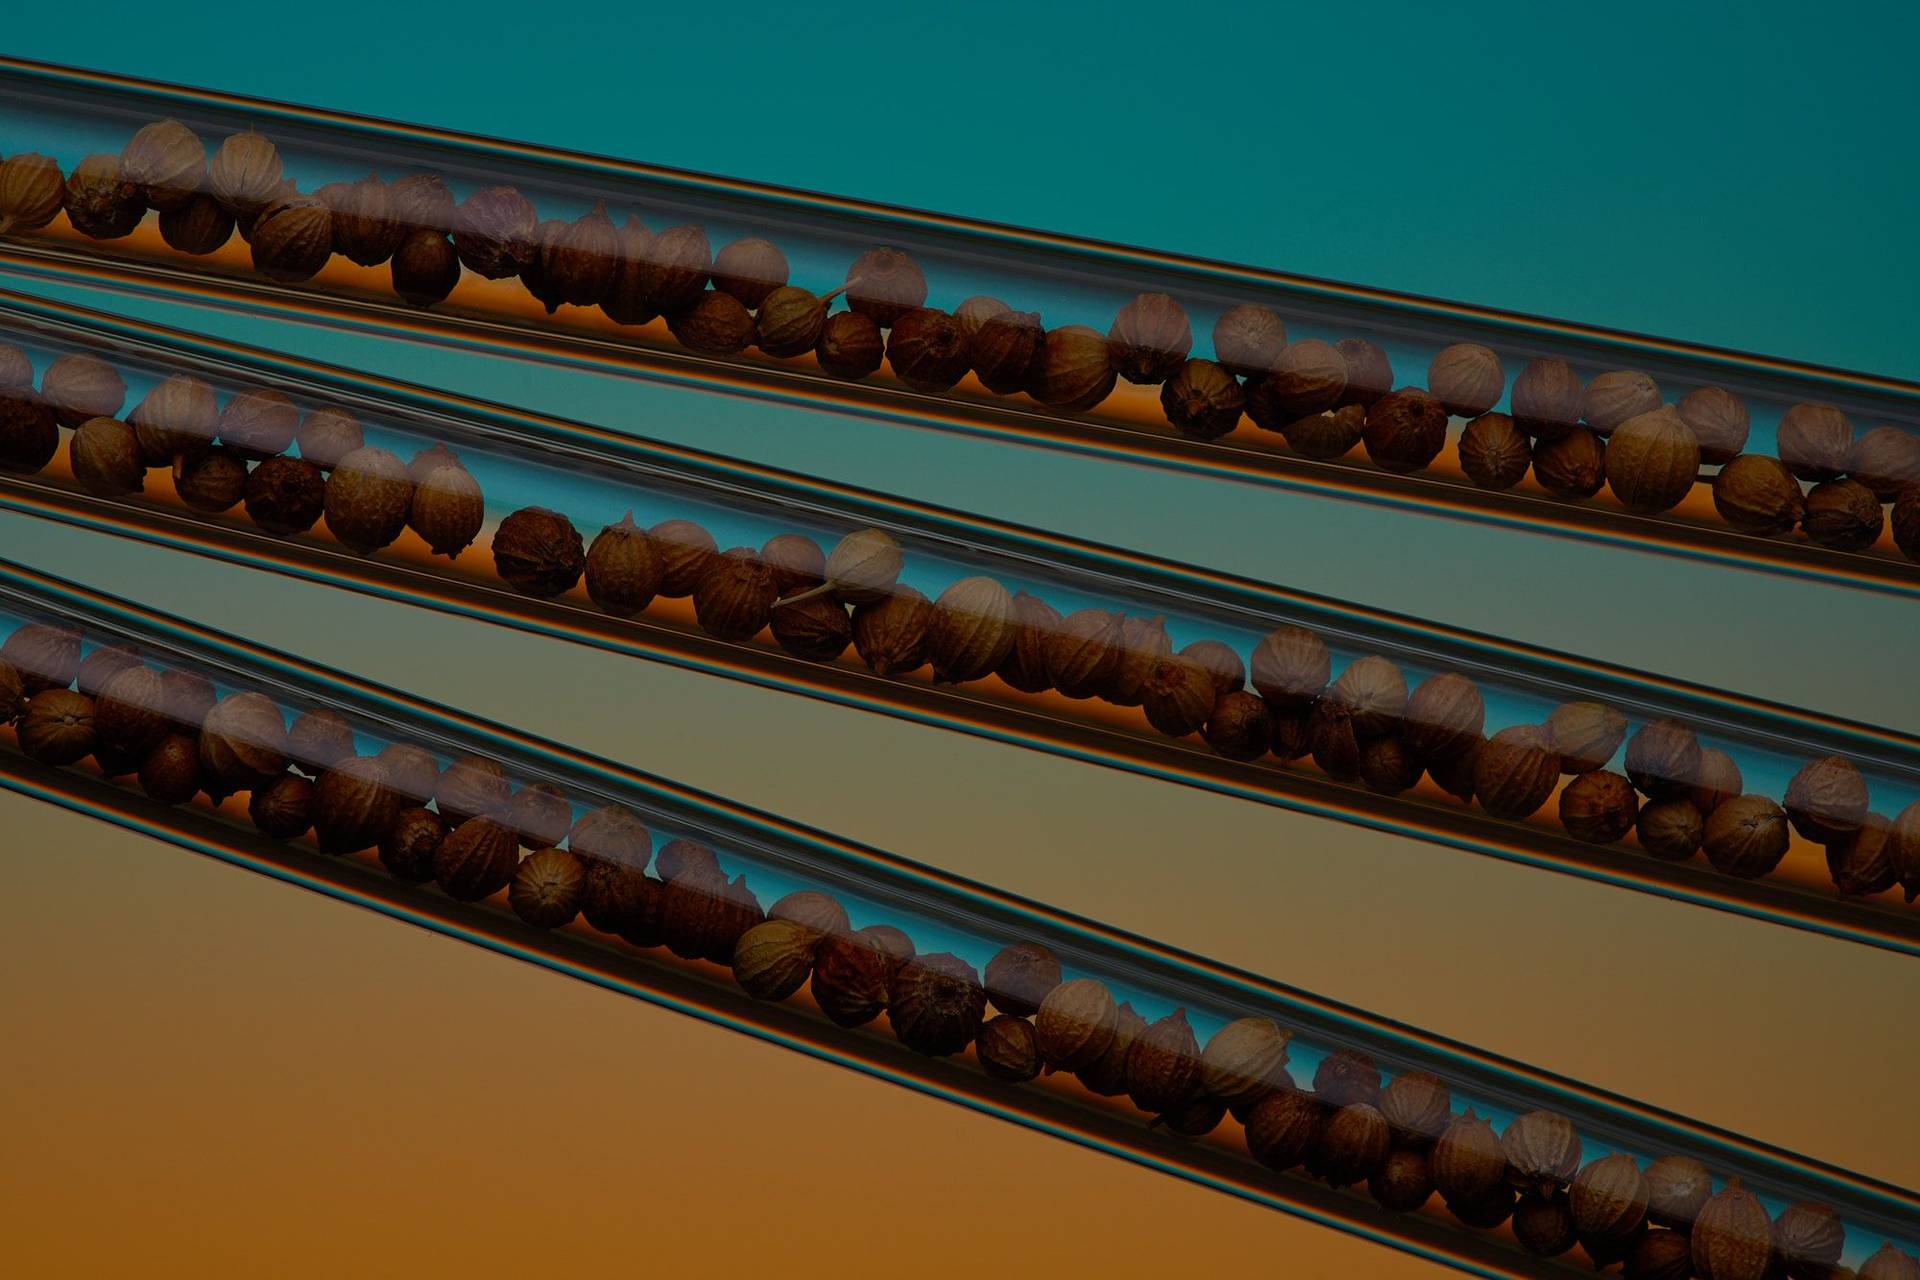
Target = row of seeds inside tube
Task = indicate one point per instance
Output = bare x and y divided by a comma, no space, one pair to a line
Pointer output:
1674,794
464,826
1576,435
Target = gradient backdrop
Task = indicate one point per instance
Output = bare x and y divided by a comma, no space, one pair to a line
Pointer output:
210,1074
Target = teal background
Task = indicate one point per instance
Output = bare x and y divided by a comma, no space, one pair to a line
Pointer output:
1736,176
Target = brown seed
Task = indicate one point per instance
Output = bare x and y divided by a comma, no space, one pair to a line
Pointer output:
537,552
106,458
817,629
412,771
29,434
1671,829
974,312
1573,466
1515,771
1388,766
57,727
1609,1199
928,350
540,816
1844,515
285,495
212,481
244,741
44,656
1718,419
1218,660
1005,349
328,436
1546,398
1375,691
622,899
1827,799
101,203
408,843
1346,1076
1467,1160
625,299
850,978
421,201
1178,696
1163,1065
1150,339
80,386
1245,1061
364,228
1585,735
292,239
178,417
1887,461
715,323
814,911
734,598
32,190
354,806
1403,1182
1282,1128
1349,1145
1732,1236
971,629
1369,372
258,423
1106,1075
1020,976
1809,1238
891,635
1756,494
1248,339
850,346
1861,862
1331,434
1542,1152
1008,1049
426,267
447,510
935,1004
1291,667
1716,781
1072,369
476,860
1652,461
749,269
1494,452
1599,807
472,787
190,696
1406,430
369,496
673,270
1466,379
1025,666
578,262
773,959
1815,441
131,713
864,566
1083,654
884,284
1308,377
1332,741
546,887
1659,1255
789,322
1143,643
102,665
493,232
684,549
1444,717
1202,400
1543,1226
1889,1263
197,227
1747,836
1075,1023
283,808
245,173
1614,397
170,772
1240,726
1417,1105
318,740
1663,759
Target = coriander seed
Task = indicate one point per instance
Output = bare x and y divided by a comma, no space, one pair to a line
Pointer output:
1331,434
1072,369
1075,1023
364,228
1663,758
1756,494
1815,441
447,510
425,267
80,386
1005,350
1405,431
789,322
1718,419
1248,339
258,423
684,549
1020,976
1746,837
101,203
1309,376
283,808
1613,397
408,844
1008,1049
1573,466
538,552
369,496
773,959
292,239
1827,799
1652,461
285,496
624,568
750,269
1143,643
928,350
212,481
32,192
1025,666
106,459
935,1004
198,227
1202,400
328,435
1466,379
1887,461
1369,372
971,629
57,727
715,323
546,888
1163,1065
1732,1237
1546,398
850,346
476,860
1150,339
1515,771
884,284
735,596
1861,862
891,635
493,232
176,418
1494,452
1844,515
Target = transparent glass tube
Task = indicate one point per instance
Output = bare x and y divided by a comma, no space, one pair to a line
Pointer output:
946,619
962,326
859,957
